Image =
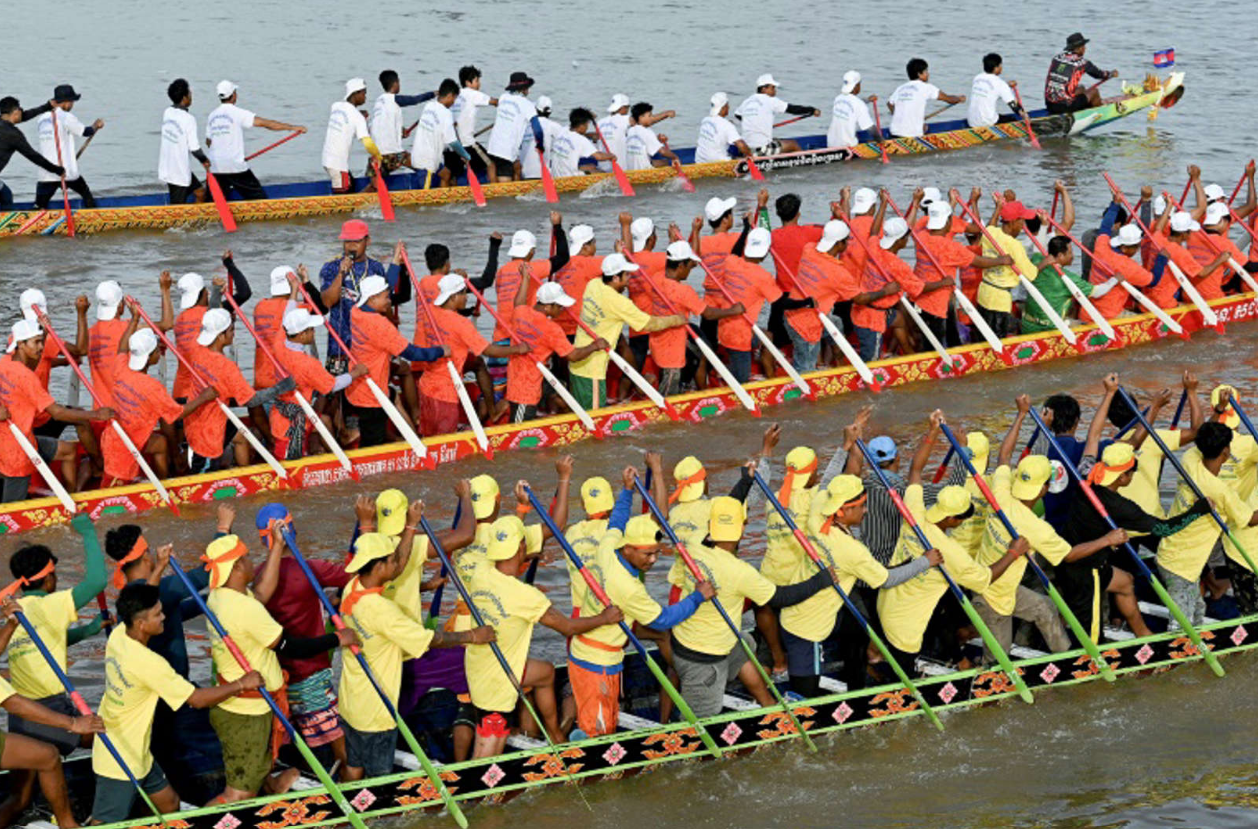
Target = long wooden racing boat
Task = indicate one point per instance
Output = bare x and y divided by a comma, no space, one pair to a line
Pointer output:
693,407
153,211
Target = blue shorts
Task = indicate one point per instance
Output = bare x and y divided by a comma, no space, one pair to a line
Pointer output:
371,751
804,657
115,799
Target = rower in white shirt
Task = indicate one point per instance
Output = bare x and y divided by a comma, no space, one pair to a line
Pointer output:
225,143
516,117
572,153
908,102
69,127
530,164
757,113
718,137
436,142
464,110
988,90
643,148
614,127
345,123
386,122
179,140
850,114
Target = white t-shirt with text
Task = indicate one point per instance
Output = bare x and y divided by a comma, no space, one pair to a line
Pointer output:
345,123
716,134
758,112
179,138
910,99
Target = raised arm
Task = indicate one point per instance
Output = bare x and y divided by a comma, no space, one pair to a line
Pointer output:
922,455
1099,418
1010,442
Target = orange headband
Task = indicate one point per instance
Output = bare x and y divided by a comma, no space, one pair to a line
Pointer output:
25,582
211,564
141,547
701,475
265,535
788,481
1099,470
354,593
829,522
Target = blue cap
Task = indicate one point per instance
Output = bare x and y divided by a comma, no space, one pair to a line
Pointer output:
882,448
273,512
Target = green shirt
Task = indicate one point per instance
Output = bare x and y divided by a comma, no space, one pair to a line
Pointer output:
1056,294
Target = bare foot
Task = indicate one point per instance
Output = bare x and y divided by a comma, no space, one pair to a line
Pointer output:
282,782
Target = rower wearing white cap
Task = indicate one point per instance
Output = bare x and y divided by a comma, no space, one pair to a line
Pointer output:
757,113
583,266
908,102
539,335
849,115
194,301
718,137
862,221
989,90
606,310
1171,233
1216,221
821,277
386,122
885,279
1114,252
107,337
530,164
346,123
1247,213
225,142
573,151
291,431
522,251
614,127
268,315
643,148
437,148
748,284
52,357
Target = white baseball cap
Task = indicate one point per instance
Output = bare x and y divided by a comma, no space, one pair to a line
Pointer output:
938,215
23,330
893,230
616,263
369,287
619,101
766,80
552,293
1215,213
299,319
1126,236
142,343
190,286
863,200
544,104
279,280
521,243
930,195
225,89
108,296
1214,193
641,231
834,232
30,298
215,322
681,251
448,286
579,235
851,80
758,241
1159,205
354,85
1182,222
716,207
719,100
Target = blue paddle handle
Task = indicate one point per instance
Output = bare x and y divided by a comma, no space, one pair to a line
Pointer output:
434,607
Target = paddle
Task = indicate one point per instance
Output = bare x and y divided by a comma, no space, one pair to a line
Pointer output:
473,184
867,376
599,593
434,776
1072,621
697,575
548,181
395,417
708,354
382,193
766,341
453,576
1026,120
791,120
434,606
270,147
294,736
560,388
220,203
1237,189
262,451
847,602
1208,316
79,154
942,109
1075,292
623,180
311,415
65,191
456,377
1154,581
882,143
686,183
1214,513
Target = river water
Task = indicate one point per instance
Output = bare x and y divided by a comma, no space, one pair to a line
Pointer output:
1147,752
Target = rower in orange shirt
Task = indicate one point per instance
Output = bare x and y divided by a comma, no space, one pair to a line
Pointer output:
268,316
884,269
1171,233
1209,241
583,266
106,336
822,277
862,221
522,251
748,284
52,358
538,335
1115,255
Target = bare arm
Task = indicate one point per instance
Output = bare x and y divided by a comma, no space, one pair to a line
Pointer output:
267,578
278,126
922,455
1093,442
1011,437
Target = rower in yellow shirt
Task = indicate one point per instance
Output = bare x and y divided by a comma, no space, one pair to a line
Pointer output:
995,292
1241,470
970,532
390,634
1145,486
136,679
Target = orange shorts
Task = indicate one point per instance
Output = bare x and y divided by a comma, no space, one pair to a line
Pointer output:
597,697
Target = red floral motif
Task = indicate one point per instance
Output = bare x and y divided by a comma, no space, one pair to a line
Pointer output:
426,790
553,766
993,683
294,812
670,743
782,725
899,701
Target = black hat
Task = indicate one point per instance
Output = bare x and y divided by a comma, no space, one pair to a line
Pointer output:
1075,40
65,92
519,80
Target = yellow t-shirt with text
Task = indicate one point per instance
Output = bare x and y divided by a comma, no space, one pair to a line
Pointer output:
584,537
604,645
51,616
512,608
813,619
606,311
405,588
734,581
1186,552
782,552
254,631
389,634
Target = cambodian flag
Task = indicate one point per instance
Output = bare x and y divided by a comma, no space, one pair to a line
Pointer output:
1164,58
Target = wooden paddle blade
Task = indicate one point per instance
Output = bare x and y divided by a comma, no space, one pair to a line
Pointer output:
220,202
382,191
473,184
548,181
623,180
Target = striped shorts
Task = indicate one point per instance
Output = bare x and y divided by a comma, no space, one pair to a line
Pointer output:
312,704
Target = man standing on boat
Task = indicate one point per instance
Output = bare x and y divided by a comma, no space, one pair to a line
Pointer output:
225,141
345,123
13,141
1061,87
59,148
464,110
516,115
757,113
850,115
339,282
179,140
386,122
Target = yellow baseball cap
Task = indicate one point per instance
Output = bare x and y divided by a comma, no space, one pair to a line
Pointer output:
951,502
1029,478
505,537
369,547
596,496
841,490
1218,399
220,557
800,458
980,448
642,531
725,521
484,496
391,512
1115,460
690,475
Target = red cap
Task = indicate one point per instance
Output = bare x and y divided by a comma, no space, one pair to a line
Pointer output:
1014,210
354,230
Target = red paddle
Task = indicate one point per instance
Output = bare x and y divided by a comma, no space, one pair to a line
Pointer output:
882,145
1026,119
220,202
548,181
473,184
270,147
686,183
621,179
791,120
382,191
